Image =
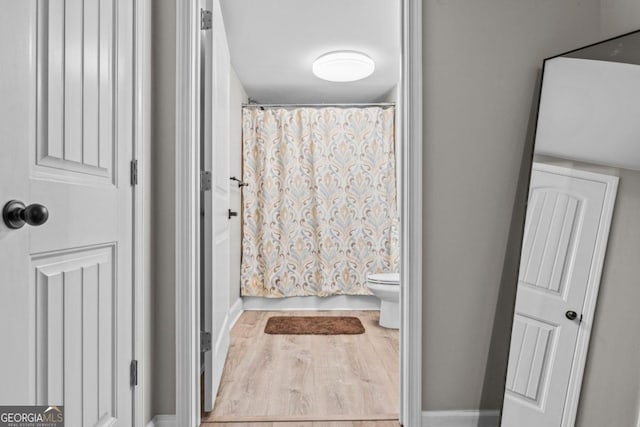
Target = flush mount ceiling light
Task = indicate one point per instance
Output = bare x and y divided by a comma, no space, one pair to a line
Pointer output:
343,66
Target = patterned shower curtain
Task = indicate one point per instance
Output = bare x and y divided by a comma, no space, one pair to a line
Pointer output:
319,213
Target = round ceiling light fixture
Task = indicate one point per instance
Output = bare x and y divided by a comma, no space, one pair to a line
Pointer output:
343,66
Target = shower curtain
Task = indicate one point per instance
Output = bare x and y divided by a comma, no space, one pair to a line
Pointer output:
319,213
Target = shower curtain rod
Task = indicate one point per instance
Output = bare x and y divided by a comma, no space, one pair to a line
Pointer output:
365,104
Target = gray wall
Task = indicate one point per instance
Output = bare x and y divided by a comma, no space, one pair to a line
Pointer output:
238,97
163,194
619,16
481,61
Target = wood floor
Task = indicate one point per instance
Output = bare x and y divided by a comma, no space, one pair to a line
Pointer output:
309,380
308,424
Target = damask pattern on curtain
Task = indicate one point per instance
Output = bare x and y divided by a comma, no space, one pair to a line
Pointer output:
319,213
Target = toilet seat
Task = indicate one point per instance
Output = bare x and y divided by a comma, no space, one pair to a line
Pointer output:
384,279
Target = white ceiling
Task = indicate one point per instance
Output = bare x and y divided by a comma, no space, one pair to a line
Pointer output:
273,44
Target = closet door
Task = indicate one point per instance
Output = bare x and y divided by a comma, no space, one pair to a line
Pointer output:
66,137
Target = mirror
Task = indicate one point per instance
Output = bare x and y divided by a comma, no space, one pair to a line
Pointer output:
575,347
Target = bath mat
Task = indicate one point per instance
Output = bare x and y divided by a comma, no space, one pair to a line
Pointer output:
313,325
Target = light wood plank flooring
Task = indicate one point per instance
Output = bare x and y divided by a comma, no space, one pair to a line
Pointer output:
282,380
309,424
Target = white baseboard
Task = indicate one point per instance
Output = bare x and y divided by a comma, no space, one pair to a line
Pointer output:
336,302
465,418
162,421
234,312
487,418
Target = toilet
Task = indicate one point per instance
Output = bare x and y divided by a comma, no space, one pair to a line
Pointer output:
386,286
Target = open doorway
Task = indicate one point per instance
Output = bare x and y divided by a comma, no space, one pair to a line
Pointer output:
387,112
300,141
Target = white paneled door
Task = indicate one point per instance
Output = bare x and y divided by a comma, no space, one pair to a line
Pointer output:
564,216
66,139
216,201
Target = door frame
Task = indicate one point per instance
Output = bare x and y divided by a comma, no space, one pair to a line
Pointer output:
141,208
593,285
188,214
141,145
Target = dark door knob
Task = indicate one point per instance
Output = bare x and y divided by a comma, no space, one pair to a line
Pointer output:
15,214
571,315
232,213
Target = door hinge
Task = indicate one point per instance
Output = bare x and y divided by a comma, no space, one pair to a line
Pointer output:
133,373
205,19
134,172
205,180
205,341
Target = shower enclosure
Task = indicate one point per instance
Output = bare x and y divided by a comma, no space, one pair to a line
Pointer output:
320,209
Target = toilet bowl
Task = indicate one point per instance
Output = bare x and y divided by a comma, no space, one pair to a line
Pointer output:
386,287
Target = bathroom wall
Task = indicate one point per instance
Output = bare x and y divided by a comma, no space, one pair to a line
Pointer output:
481,61
238,97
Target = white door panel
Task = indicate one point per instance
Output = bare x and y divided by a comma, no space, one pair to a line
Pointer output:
75,118
561,230
220,170
533,342
66,138
216,256
75,294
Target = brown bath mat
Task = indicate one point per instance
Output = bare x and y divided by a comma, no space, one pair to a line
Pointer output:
314,325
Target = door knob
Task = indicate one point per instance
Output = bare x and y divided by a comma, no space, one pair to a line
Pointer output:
571,315
15,214
232,213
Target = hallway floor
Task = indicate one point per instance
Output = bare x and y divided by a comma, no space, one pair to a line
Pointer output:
309,380
307,424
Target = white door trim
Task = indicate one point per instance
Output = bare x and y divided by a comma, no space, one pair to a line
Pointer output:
141,135
411,216
593,286
188,212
